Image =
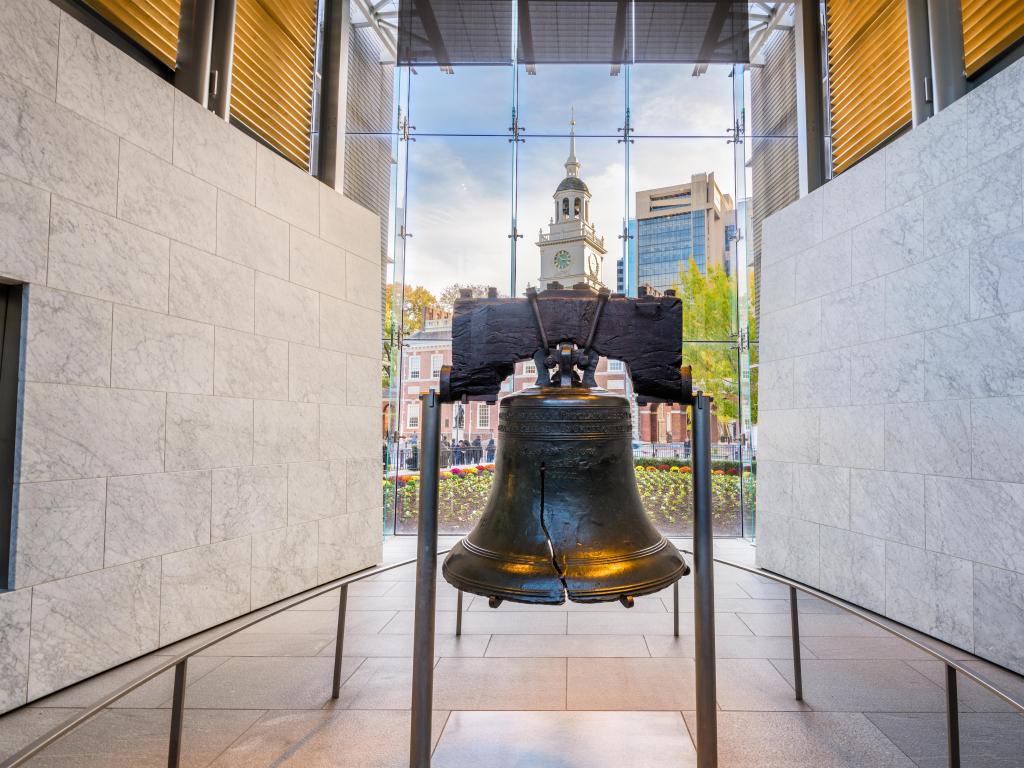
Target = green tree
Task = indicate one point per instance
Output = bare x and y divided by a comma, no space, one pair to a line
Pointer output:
416,300
448,296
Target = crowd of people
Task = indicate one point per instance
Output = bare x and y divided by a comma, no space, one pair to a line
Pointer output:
454,453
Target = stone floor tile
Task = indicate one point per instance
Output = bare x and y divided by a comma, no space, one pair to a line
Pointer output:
548,646
521,684
378,683
494,622
268,683
137,738
648,624
987,740
21,727
811,625
360,588
802,740
631,684
754,685
862,648
326,739
322,622
565,740
156,693
726,647
1008,681
401,645
643,604
249,643
865,686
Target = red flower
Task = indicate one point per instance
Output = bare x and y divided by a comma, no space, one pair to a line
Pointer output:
663,466
685,469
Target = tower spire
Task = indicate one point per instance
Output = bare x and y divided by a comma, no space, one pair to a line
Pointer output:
572,165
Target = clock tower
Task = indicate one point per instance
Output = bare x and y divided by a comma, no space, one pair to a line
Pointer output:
570,251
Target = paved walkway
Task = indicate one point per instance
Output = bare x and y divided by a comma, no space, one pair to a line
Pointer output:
566,687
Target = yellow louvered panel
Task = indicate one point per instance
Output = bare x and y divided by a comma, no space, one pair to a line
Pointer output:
153,24
272,76
990,27
869,75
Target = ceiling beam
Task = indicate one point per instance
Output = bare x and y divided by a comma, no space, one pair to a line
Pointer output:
388,41
762,36
433,31
526,36
714,31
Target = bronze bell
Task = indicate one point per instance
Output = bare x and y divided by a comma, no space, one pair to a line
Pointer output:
564,516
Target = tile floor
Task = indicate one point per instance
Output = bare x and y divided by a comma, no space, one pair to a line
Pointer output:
527,687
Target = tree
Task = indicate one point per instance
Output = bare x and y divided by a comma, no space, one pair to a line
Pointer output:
416,300
451,293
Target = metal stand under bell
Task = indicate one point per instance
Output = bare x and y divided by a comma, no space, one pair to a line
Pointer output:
426,585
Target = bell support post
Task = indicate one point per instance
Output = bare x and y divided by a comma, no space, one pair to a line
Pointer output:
704,585
426,584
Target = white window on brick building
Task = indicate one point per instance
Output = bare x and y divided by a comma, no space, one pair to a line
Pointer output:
615,366
530,368
483,416
414,366
436,361
413,419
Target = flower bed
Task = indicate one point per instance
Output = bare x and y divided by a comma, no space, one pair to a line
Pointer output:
666,492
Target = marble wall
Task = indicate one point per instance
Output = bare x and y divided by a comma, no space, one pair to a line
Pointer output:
891,462
199,428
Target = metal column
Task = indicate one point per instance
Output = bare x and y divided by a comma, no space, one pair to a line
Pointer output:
426,584
794,625
195,39
952,718
920,60
334,93
810,99
222,57
704,585
177,714
339,640
946,35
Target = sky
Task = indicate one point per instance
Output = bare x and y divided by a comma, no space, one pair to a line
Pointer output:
460,168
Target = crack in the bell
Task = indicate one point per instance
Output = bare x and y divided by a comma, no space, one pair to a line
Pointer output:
547,535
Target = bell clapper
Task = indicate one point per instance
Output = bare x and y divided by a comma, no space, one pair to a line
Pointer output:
627,601
494,601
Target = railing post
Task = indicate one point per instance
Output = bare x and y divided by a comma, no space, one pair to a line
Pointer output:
339,640
704,586
794,622
458,615
177,714
675,609
952,718
426,585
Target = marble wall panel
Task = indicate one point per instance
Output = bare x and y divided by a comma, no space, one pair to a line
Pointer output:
316,375
108,87
71,432
999,615
997,438
362,281
283,562
54,149
823,268
349,328
792,331
15,624
889,242
853,436
29,31
156,351
248,500
853,198
212,149
208,432
319,265
932,438
317,489
286,191
286,311
349,432
997,280
60,530
953,367
927,158
889,505
790,547
204,586
250,236
285,431
363,491
91,622
775,385
976,520
151,515
363,382
793,229
775,487
778,285
821,379
25,222
155,195
211,290
251,366
888,371
107,258
928,295
349,225
343,545
854,315
68,339
994,116
821,494
931,592
853,567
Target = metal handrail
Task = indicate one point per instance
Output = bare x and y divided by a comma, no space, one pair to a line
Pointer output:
878,622
179,662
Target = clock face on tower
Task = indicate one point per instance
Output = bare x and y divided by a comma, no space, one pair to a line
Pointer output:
595,265
562,260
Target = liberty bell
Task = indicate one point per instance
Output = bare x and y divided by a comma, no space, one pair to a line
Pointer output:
564,517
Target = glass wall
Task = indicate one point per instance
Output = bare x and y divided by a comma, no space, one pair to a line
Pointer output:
665,154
